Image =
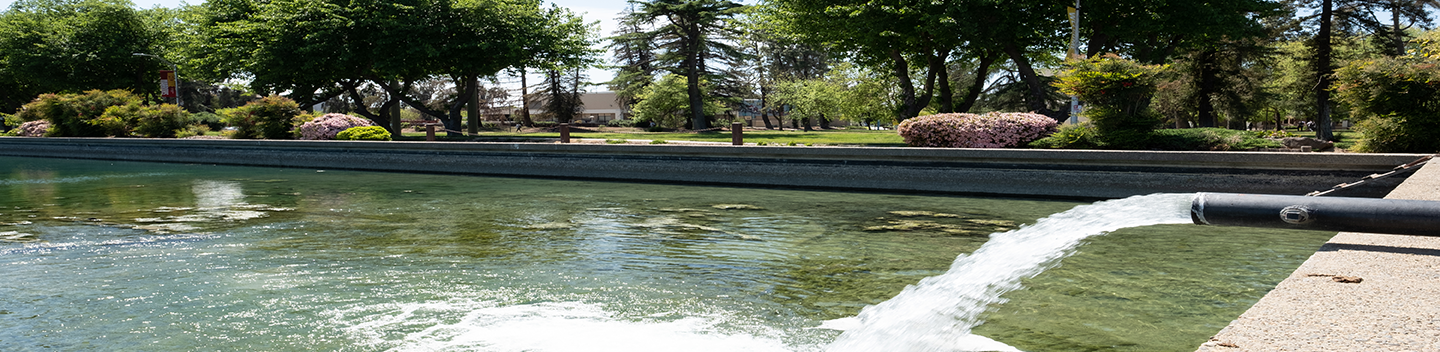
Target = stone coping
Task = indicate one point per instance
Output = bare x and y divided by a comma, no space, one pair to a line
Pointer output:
1192,159
1394,307
1076,174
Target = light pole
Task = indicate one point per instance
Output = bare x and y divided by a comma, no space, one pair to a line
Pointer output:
1074,53
173,68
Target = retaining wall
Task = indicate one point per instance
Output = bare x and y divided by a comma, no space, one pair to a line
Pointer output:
1003,172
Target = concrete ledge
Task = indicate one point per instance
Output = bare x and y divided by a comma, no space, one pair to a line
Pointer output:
1396,306
1012,172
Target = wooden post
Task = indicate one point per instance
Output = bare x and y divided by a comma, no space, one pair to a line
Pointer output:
564,133
430,132
737,136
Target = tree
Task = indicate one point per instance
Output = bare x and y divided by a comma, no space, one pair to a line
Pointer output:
689,34
58,46
903,37
1404,15
561,91
314,49
634,55
665,104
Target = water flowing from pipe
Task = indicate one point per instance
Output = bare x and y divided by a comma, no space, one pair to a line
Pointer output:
938,313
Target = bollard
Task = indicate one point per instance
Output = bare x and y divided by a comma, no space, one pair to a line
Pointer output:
737,134
429,132
564,133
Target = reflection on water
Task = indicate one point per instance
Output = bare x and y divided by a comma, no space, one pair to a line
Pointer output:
214,194
190,256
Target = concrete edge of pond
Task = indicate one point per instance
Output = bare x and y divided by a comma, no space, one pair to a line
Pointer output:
1003,172
1359,292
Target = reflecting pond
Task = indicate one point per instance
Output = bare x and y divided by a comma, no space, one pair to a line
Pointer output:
161,257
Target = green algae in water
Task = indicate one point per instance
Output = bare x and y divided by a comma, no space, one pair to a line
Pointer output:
375,261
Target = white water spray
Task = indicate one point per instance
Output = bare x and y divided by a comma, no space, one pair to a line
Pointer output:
938,313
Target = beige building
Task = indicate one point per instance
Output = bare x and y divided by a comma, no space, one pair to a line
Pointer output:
600,107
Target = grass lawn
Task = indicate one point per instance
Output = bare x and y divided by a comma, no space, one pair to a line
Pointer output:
817,137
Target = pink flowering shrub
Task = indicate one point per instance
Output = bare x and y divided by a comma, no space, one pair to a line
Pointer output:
35,128
991,130
328,125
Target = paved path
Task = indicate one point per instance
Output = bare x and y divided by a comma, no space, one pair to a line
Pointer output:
1396,307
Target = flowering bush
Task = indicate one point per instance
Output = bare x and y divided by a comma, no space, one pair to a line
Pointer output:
35,128
991,130
367,133
327,126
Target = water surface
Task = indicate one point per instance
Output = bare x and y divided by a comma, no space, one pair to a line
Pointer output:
156,257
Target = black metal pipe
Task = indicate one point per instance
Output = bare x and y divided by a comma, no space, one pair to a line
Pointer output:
1369,215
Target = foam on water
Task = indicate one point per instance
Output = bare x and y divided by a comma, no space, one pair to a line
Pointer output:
37,181
559,326
938,313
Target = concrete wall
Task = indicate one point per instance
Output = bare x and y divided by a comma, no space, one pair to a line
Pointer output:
1006,172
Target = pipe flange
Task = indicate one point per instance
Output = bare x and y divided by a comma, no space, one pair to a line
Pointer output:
1295,215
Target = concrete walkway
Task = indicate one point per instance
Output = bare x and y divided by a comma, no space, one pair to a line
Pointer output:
1396,306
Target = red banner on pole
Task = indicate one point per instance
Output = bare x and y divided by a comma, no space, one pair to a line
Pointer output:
167,84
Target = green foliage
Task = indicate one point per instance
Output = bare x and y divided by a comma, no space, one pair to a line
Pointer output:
104,114
162,121
306,47
70,46
1081,136
1117,95
366,133
1085,136
689,33
620,123
80,115
1207,139
209,119
192,131
1399,96
1278,134
659,141
666,103
271,117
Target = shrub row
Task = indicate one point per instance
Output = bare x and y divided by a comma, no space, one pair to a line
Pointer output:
98,113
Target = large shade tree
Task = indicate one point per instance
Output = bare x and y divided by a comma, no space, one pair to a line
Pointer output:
59,46
316,49
691,35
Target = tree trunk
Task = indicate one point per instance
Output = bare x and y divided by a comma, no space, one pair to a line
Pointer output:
1399,39
1323,71
1279,124
452,122
525,101
472,87
981,74
824,122
1207,87
907,86
694,65
1036,99
765,108
947,96
396,128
